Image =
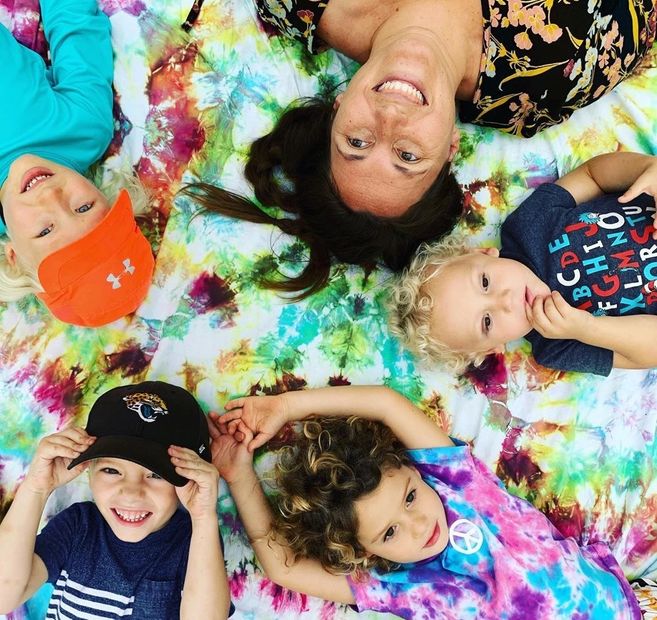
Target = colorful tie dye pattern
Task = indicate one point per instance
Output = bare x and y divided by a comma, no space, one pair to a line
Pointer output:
508,563
580,448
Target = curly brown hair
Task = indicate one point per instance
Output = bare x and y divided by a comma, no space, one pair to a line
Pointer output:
334,463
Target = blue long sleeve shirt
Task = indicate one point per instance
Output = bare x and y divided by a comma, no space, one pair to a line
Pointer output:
62,112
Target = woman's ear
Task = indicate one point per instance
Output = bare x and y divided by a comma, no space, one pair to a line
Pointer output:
454,145
10,253
337,102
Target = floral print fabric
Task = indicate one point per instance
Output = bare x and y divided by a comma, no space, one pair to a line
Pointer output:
645,591
541,59
544,59
297,19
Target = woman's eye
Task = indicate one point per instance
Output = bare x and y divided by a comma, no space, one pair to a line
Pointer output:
155,476
357,143
410,498
86,207
408,157
45,231
109,470
487,323
485,282
390,532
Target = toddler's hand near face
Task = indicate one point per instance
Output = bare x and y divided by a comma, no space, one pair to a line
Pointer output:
54,453
199,495
553,317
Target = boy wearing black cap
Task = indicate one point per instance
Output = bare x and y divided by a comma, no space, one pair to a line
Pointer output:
133,551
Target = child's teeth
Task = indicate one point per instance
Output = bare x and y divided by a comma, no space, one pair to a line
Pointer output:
35,180
132,516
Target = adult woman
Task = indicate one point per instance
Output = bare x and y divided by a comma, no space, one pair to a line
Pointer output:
387,141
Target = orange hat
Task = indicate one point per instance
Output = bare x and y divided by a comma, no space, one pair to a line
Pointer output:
101,276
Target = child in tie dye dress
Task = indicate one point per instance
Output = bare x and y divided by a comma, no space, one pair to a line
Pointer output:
387,512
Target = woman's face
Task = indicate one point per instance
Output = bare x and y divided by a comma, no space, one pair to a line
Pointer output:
393,128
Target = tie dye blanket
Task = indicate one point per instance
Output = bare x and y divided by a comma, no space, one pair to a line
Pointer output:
580,448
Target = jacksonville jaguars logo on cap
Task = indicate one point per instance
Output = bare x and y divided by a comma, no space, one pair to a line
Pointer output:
148,406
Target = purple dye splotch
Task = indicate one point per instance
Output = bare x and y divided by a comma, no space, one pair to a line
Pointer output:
210,292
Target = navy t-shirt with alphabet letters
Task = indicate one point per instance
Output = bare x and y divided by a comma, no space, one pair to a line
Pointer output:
600,255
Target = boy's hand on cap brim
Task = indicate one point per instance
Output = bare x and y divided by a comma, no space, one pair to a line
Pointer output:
49,467
199,495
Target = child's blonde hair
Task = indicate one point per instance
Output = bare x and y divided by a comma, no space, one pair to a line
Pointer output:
17,280
410,305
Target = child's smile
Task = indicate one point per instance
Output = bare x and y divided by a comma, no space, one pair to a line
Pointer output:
134,501
131,517
47,206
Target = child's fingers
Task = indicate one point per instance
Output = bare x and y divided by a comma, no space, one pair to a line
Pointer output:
77,433
233,425
560,304
186,455
236,403
229,416
550,310
213,428
60,446
640,186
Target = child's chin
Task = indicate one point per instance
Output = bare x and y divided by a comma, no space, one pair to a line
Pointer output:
131,536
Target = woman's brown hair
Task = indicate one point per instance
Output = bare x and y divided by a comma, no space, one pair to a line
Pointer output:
289,168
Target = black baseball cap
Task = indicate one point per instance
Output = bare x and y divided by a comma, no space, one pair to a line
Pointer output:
139,422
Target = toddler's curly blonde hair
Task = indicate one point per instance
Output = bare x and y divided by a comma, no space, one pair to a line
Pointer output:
410,305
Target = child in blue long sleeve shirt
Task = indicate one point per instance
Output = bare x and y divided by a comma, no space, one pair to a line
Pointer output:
84,257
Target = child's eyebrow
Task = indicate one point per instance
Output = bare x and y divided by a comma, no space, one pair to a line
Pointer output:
403,502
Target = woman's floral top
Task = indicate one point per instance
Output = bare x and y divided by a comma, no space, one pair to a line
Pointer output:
541,59
297,19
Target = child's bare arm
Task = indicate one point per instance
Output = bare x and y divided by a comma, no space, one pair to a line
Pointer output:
631,173
631,338
235,465
264,415
22,572
205,591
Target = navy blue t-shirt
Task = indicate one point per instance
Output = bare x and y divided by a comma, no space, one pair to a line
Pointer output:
96,575
599,255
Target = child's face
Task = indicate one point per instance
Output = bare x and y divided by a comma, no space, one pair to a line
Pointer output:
480,301
46,207
134,501
403,519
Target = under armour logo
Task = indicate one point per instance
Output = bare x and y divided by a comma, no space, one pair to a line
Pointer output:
116,280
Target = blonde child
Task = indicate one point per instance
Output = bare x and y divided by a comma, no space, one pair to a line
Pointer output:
83,255
576,275
385,511
132,551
